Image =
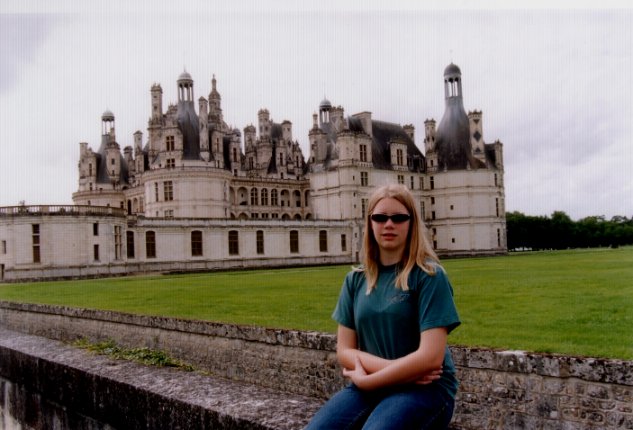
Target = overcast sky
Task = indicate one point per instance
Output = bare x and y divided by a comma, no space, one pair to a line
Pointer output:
554,85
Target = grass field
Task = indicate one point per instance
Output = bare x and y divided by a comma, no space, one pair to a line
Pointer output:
576,302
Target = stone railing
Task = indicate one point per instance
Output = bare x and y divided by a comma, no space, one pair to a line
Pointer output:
71,210
499,389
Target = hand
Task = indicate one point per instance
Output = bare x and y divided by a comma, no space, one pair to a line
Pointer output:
358,374
430,377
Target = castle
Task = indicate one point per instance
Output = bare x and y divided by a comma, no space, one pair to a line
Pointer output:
200,195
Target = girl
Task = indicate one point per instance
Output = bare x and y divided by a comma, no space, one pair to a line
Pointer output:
394,313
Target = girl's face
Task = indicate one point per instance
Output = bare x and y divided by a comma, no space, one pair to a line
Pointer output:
391,236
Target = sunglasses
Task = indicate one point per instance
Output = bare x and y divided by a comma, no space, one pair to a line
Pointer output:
395,218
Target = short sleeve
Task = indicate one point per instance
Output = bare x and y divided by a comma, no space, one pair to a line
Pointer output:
344,311
436,306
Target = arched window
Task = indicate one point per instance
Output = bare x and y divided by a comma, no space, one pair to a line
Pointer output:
129,243
150,244
322,240
294,241
234,245
260,241
273,198
196,243
253,196
264,197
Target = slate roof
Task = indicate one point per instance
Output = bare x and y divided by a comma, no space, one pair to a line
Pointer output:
383,133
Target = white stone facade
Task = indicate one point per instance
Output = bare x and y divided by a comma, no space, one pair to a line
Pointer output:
196,181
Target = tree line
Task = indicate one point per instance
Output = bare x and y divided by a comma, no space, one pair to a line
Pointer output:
560,232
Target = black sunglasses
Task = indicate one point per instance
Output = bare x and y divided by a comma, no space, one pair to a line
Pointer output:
395,218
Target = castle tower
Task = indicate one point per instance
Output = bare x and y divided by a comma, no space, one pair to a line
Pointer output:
215,105
139,157
155,120
324,112
263,117
453,133
204,131
185,87
157,102
477,135
188,120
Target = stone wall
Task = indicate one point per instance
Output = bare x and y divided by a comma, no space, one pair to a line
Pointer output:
499,389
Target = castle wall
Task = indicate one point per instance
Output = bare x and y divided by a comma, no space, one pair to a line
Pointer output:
85,242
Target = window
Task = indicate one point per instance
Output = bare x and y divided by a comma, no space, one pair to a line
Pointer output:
497,206
432,182
90,170
253,196
399,157
363,153
234,246
343,243
264,197
363,207
495,179
297,196
118,243
421,183
196,243
364,179
412,183
260,241
169,213
401,179
432,200
156,191
294,241
422,209
129,242
35,230
150,244
234,155
170,143
273,198
95,251
323,241
95,229
168,190
170,163
432,214
498,237
4,246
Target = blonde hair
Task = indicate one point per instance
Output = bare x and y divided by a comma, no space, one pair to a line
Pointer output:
418,250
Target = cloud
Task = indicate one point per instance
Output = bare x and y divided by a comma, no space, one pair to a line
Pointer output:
553,85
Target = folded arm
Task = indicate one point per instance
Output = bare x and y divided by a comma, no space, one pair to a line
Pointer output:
370,372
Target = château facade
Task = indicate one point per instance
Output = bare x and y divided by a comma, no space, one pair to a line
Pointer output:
196,194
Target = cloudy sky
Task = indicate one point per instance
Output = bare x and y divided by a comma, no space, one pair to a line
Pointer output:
554,83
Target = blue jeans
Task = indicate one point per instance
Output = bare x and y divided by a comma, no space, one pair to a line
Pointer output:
406,408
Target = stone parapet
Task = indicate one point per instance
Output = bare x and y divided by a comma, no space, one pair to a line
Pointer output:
47,384
499,389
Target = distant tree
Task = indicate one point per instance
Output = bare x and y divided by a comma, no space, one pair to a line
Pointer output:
561,232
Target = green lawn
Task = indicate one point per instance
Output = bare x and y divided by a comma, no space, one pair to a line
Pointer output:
571,302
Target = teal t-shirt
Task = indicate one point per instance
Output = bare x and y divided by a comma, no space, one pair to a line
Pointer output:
388,322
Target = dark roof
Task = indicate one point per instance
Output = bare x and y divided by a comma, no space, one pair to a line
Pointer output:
452,69
226,146
103,177
188,125
383,134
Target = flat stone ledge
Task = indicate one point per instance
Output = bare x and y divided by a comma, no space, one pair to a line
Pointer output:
128,395
294,338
